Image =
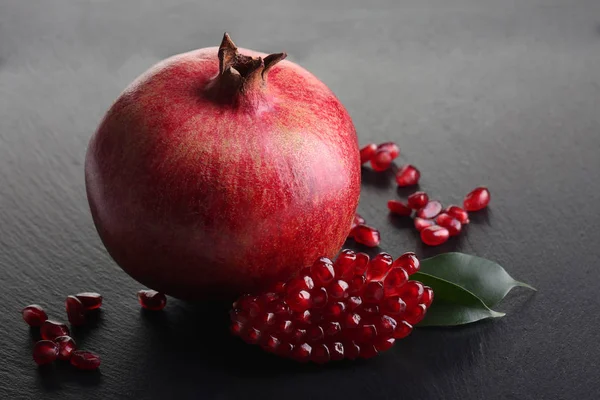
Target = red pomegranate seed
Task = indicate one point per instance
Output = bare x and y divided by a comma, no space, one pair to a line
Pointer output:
354,301
394,281
343,264
449,222
366,235
75,311
409,262
322,271
379,266
434,235
393,305
51,330
422,223
336,351
45,352
477,200
302,352
427,297
402,330
320,298
351,350
34,315
368,351
358,220
299,301
384,343
360,264
399,208
373,292
461,215
381,160
85,360
315,334
391,148
418,200
335,310
338,289
412,292
320,354
416,314
66,346
356,317
152,300
407,176
270,344
367,152
431,209
386,325
90,300
302,282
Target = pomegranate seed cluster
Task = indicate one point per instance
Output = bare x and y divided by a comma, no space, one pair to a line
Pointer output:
56,343
380,156
355,307
436,223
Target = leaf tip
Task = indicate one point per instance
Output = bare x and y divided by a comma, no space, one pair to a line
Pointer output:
525,285
496,314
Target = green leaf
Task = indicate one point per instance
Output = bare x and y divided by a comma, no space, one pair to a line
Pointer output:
483,278
452,305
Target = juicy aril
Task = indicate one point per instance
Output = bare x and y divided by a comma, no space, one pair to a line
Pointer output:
221,171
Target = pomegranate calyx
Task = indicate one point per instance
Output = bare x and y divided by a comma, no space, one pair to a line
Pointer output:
240,71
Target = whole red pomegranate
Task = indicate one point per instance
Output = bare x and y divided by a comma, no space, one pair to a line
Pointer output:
219,172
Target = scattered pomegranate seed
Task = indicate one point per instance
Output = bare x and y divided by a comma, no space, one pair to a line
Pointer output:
449,222
66,346
381,160
399,208
75,311
407,176
85,360
391,148
461,215
361,316
409,262
367,152
477,200
45,352
90,300
434,235
431,210
152,300
51,330
366,235
358,219
418,200
422,223
34,315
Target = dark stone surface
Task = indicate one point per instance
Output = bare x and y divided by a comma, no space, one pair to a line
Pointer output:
505,94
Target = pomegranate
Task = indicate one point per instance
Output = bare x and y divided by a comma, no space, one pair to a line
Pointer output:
222,171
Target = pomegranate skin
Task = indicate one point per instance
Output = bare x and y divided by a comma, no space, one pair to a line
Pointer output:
201,195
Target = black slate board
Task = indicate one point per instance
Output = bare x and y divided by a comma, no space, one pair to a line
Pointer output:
505,94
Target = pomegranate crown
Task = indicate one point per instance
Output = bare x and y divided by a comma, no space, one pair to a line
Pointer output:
241,69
